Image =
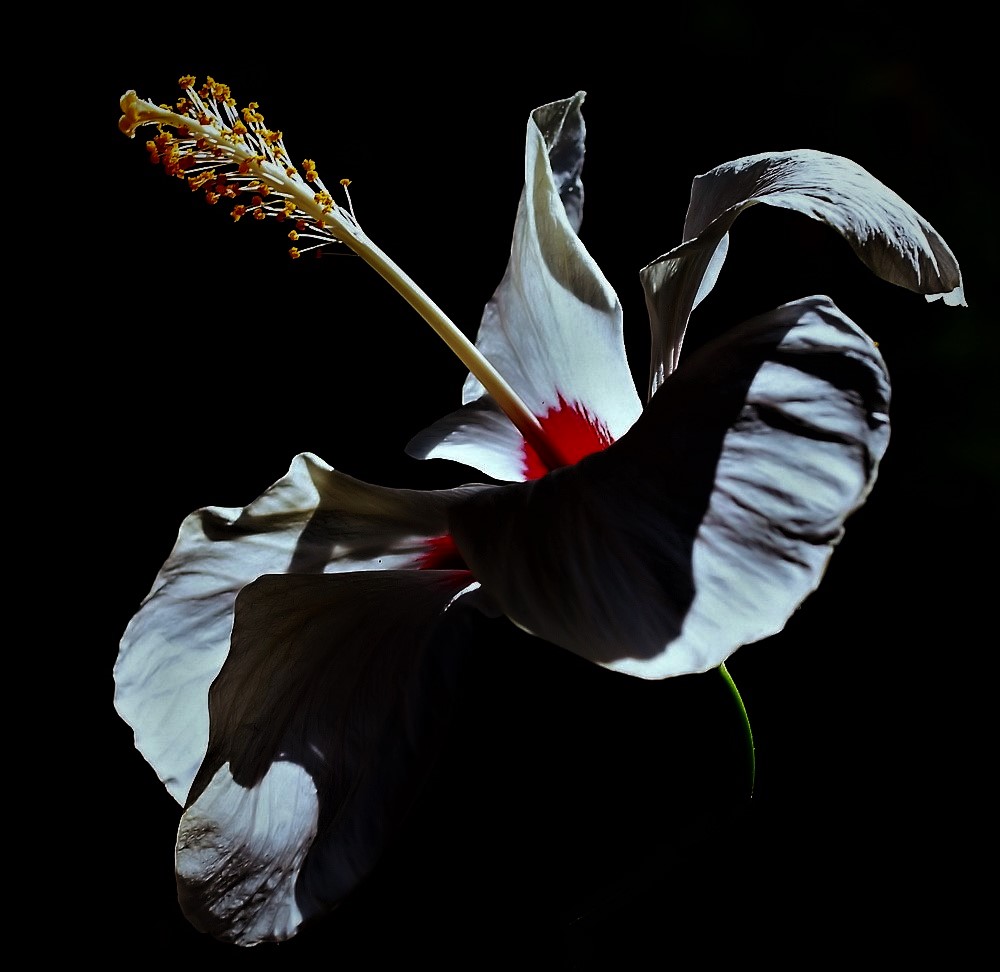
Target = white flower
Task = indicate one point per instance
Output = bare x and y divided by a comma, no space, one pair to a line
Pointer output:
284,674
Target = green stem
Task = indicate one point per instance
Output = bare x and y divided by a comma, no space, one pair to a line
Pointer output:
746,722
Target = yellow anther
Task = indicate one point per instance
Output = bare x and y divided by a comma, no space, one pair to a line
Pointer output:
221,92
197,181
206,137
246,163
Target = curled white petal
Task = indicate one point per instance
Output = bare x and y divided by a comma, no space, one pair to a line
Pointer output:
708,523
553,328
886,233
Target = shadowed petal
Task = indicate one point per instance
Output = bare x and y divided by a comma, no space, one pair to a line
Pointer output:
323,724
553,328
888,235
708,523
313,520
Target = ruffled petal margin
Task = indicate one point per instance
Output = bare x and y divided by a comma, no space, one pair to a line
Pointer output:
324,721
886,233
313,520
709,522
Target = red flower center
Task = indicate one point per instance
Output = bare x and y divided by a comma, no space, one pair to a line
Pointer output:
442,554
576,432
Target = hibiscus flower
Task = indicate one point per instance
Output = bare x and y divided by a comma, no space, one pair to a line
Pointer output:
285,673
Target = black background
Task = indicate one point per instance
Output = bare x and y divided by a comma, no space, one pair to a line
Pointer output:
564,826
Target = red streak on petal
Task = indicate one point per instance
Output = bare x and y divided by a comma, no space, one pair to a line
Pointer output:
575,432
441,554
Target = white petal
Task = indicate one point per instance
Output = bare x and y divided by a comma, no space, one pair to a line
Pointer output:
478,435
312,520
707,524
247,845
553,328
324,721
887,234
